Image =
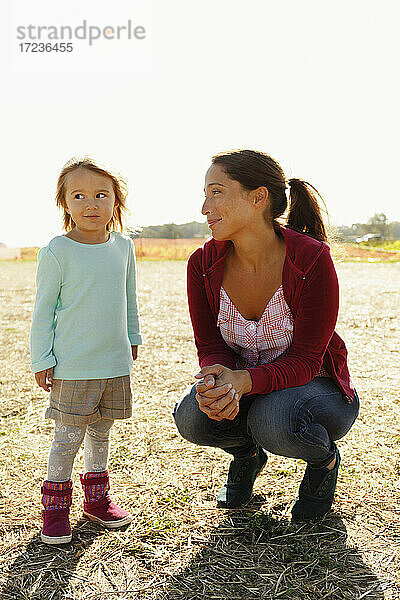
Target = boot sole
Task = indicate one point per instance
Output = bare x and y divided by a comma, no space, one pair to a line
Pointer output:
109,524
63,539
307,519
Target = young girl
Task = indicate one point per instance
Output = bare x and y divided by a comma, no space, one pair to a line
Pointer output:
84,338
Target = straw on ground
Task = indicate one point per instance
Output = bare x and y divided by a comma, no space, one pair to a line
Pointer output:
179,547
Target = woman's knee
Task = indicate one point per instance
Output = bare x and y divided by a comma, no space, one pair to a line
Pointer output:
270,427
187,417
283,423
194,425
309,416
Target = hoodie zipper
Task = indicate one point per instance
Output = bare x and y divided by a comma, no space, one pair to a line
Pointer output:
297,294
206,275
207,281
300,285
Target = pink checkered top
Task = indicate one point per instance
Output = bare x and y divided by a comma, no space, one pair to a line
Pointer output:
257,342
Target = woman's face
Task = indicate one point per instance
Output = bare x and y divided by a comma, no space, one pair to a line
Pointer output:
228,206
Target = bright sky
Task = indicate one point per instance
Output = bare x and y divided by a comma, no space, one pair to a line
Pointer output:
313,83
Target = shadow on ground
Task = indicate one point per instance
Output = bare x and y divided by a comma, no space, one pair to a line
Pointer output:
44,572
251,555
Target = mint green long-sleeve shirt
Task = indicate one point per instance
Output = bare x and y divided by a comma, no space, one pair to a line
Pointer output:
85,318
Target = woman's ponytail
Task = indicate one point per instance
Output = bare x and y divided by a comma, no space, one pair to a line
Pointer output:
304,211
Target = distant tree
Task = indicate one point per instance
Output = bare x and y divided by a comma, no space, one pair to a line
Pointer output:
379,224
195,229
172,230
360,229
344,233
395,230
376,224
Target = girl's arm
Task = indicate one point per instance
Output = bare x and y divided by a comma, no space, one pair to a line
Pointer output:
48,285
134,335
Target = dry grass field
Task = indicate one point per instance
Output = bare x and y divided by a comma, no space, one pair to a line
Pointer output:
179,546
181,248
149,248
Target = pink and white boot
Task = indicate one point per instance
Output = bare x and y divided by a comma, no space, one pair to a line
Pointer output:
98,506
56,499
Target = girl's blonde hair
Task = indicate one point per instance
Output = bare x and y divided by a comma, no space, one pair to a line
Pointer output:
119,185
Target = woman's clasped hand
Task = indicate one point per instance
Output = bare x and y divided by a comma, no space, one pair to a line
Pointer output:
220,390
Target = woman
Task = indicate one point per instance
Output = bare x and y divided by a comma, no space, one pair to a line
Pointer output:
263,301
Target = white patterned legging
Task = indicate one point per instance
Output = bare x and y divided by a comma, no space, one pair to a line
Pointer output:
67,441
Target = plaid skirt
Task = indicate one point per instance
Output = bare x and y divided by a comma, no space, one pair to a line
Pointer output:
82,402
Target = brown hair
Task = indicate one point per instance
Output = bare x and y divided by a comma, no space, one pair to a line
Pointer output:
119,186
254,169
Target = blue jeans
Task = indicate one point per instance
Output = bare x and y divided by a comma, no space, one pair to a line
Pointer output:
298,422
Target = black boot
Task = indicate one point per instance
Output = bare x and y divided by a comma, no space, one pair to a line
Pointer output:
316,492
241,477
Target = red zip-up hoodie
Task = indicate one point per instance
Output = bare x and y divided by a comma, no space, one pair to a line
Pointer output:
311,290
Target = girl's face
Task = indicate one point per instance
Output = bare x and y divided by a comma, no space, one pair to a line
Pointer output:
229,207
89,199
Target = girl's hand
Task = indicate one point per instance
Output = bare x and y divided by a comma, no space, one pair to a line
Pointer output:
134,352
220,392
45,379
